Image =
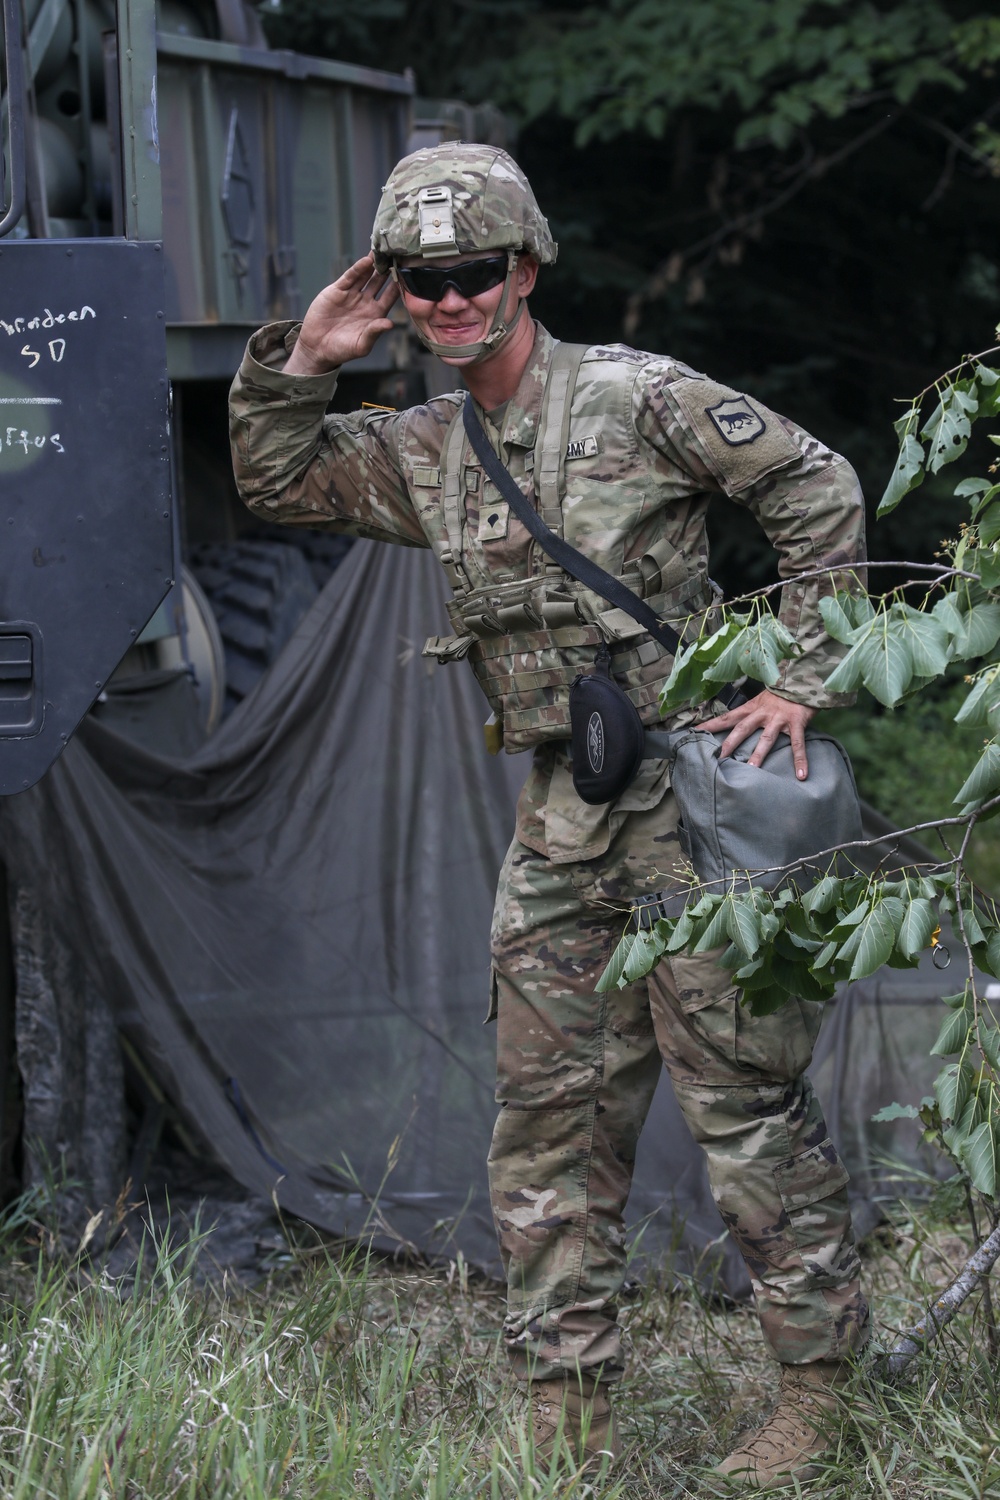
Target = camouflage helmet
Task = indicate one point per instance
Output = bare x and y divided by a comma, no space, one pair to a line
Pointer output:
460,198
457,198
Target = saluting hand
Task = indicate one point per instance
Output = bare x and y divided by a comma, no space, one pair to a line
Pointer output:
773,715
344,320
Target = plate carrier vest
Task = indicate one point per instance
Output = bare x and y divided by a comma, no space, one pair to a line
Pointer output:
528,639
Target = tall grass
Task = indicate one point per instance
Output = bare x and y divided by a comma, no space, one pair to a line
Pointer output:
342,1376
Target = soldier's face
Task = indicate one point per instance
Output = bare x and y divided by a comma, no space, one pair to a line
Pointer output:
465,320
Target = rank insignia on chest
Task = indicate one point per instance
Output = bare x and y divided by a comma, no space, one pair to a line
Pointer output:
736,420
585,447
494,520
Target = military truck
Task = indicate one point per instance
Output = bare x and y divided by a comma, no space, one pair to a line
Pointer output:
259,171
170,183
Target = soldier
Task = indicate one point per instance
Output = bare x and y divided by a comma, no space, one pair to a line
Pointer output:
623,458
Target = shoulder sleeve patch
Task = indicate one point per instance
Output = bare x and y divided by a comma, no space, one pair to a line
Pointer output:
739,439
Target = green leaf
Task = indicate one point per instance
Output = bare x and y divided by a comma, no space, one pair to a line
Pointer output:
979,1154
743,926
976,630
975,936
908,473
951,1089
948,428
825,956
755,651
907,422
799,980
984,697
824,896
919,921
989,524
765,1001
895,1112
925,637
990,960
755,973
983,780
967,487
987,565
888,667
681,935
952,1036
984,375
612,976
853,918
987,495
874,939
642,957
989,1044
687,681
882,656
716,930
838,623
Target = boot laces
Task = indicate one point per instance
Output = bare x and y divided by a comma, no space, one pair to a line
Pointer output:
788,1426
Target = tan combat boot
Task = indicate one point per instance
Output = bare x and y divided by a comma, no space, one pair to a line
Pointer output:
798,1430
574,1409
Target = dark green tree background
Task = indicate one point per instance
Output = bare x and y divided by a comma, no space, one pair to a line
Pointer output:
801,197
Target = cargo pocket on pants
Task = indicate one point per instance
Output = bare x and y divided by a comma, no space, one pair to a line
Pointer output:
805,1183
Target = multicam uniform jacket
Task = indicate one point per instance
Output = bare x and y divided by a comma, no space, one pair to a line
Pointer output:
648,442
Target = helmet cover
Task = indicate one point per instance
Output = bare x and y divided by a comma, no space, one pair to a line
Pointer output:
455,199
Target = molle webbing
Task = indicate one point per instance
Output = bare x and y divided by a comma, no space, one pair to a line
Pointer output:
527,677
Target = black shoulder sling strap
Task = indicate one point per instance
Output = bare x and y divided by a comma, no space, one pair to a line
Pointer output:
607,734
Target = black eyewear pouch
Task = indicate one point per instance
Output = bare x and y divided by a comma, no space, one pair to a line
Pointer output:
607,739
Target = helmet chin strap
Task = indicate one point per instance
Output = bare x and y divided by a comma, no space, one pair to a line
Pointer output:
499,331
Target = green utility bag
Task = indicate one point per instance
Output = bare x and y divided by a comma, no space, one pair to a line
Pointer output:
737,819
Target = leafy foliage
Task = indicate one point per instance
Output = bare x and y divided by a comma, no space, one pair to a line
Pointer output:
745,645
803,940
630,65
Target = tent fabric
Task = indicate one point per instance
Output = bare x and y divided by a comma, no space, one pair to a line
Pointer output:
291,924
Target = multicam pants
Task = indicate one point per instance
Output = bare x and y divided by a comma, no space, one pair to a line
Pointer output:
576,1076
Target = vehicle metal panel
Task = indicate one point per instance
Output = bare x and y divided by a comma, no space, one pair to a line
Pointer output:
85,518
272,165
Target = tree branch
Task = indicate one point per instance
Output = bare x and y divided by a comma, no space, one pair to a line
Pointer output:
967,359
960,819
941,1311
940,572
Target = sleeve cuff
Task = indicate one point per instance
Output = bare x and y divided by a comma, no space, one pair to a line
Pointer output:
263,367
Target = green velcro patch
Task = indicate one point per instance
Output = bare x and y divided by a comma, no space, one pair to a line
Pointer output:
739,439
426,478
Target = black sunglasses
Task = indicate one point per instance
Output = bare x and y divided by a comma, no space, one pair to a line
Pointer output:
470,278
